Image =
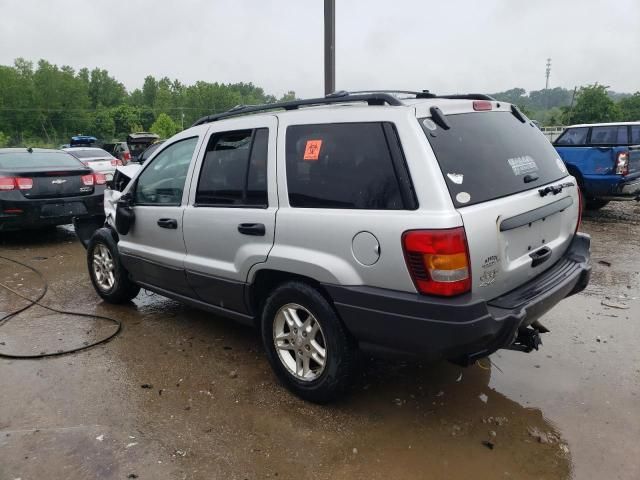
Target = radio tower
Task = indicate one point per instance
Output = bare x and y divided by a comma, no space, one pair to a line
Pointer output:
548,72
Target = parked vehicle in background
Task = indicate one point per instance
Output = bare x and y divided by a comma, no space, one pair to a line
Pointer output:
605,160
83,141
119,150
139,141
144,156
438,227
97,159
41,187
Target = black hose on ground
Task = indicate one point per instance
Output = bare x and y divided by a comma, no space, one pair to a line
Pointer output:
36,301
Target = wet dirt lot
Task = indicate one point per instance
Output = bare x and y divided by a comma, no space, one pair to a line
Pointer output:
213,409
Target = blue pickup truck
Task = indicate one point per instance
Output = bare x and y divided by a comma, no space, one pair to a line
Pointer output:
605,159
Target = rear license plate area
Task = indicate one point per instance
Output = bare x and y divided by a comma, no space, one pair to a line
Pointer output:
63,209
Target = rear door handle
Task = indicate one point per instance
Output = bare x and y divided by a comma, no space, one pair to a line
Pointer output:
170,223
540,256
256,229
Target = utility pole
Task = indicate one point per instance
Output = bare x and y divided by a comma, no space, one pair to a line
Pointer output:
329,46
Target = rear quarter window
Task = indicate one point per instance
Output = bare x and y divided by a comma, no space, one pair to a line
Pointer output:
489,155
345,165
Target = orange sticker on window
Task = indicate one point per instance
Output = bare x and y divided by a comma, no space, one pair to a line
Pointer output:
312,150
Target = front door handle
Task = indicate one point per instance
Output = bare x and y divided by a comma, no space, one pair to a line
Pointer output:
170,223
256,229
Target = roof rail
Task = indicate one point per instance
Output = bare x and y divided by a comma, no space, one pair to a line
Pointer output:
374,98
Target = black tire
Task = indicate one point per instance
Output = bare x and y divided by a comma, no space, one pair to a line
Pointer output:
123,289
340,349
595,204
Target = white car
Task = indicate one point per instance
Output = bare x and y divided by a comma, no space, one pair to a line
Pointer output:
97,159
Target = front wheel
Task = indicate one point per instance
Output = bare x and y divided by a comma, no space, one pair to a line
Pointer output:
306,343
108,276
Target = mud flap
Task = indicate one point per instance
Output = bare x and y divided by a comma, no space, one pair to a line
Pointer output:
85,227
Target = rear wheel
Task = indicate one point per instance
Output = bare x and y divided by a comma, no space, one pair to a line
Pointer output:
108,276
595,204
306,343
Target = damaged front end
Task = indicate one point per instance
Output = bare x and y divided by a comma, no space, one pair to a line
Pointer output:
85,227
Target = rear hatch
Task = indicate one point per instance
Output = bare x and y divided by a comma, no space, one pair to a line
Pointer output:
519,206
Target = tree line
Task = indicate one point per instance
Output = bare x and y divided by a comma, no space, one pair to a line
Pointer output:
44,105
587,104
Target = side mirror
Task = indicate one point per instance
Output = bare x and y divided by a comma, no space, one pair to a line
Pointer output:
125,216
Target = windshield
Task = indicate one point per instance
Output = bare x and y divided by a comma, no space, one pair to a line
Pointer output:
489,155
20,160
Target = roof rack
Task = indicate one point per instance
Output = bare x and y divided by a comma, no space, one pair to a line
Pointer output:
374,98
371,97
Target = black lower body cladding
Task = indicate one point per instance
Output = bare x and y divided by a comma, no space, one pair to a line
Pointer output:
392,323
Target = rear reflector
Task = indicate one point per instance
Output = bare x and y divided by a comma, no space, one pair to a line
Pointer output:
13,211
580,206
482,105
438,261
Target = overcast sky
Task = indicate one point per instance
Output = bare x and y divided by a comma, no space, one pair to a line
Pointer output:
447,47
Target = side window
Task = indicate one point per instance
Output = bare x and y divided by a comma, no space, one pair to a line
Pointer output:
609,135
162,182
346,165
573,136
635,135
234,170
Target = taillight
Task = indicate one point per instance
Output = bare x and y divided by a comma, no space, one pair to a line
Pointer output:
99,178
622,163
24,183
13,183
438,261
88,180
482,105
127,156
116,162
7,183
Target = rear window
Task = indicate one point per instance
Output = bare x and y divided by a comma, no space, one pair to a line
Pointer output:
635,135
489,155
97,153
21,160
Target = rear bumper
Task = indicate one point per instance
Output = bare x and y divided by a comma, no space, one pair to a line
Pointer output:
22,213
392,323
612,187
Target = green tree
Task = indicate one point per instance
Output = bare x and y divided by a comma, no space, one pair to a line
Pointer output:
164,126
593,105
4,140
630,108
103,125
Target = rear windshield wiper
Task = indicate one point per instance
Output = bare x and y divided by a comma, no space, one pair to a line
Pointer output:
518,114
438,117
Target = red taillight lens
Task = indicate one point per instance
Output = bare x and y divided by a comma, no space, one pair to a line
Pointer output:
438,261
116,163
127,156
99,178
622,163
88,180
13,183
7,183
24,183
482,105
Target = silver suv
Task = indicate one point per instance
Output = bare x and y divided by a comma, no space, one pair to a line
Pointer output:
394,223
